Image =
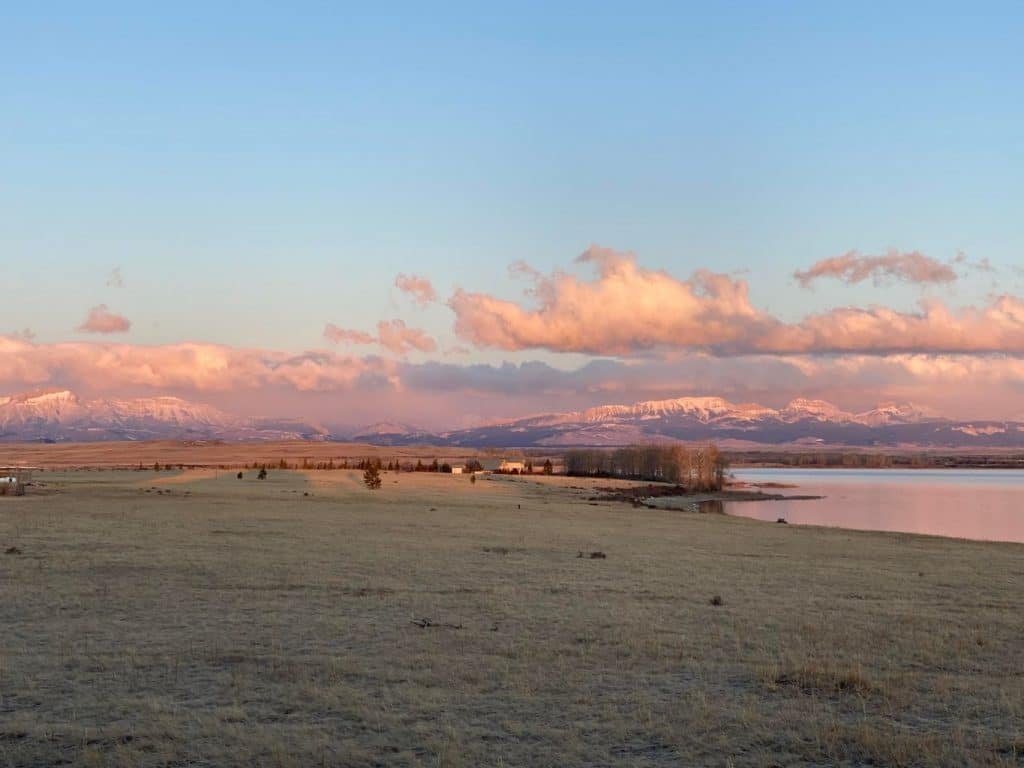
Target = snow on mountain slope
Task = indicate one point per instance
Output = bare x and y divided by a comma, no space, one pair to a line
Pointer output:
51,406
818,410
64,408
801,422
705,409
62,415
894,413
708,410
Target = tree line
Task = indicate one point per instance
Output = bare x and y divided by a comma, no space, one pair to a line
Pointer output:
700,468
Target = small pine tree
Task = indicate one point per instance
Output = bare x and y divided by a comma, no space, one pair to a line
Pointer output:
372,477
240,475
549,468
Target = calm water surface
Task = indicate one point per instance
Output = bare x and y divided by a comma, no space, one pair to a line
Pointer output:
970,504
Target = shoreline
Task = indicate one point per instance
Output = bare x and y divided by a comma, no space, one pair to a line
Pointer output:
650,495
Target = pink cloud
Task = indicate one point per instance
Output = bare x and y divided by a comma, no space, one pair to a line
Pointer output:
186,366
337,335
396,337
101,320
979,265
960,386
996,328
627,309
855,267
393,335
262,380
419,288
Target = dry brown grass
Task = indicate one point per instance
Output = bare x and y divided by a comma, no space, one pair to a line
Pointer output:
212,453
239,622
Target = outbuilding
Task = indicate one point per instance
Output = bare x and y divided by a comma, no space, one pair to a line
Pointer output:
13,479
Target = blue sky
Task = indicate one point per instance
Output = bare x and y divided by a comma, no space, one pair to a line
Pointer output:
257,173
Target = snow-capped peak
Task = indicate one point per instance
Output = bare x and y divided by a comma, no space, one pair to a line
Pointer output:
717,411
820,410
44,397
62,415
894,413
702,408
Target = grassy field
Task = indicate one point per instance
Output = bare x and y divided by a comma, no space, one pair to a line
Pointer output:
212,453
194,619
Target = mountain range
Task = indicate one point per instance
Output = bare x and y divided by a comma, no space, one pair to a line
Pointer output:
60,415
800,423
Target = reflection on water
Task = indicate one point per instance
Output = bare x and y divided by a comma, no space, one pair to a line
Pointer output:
970,504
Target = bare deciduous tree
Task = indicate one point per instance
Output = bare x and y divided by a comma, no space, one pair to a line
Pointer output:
700,469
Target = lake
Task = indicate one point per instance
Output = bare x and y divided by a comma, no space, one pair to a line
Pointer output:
971,503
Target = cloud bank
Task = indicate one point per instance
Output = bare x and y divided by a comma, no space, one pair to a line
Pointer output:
193,367
668,336
627,309
439,393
